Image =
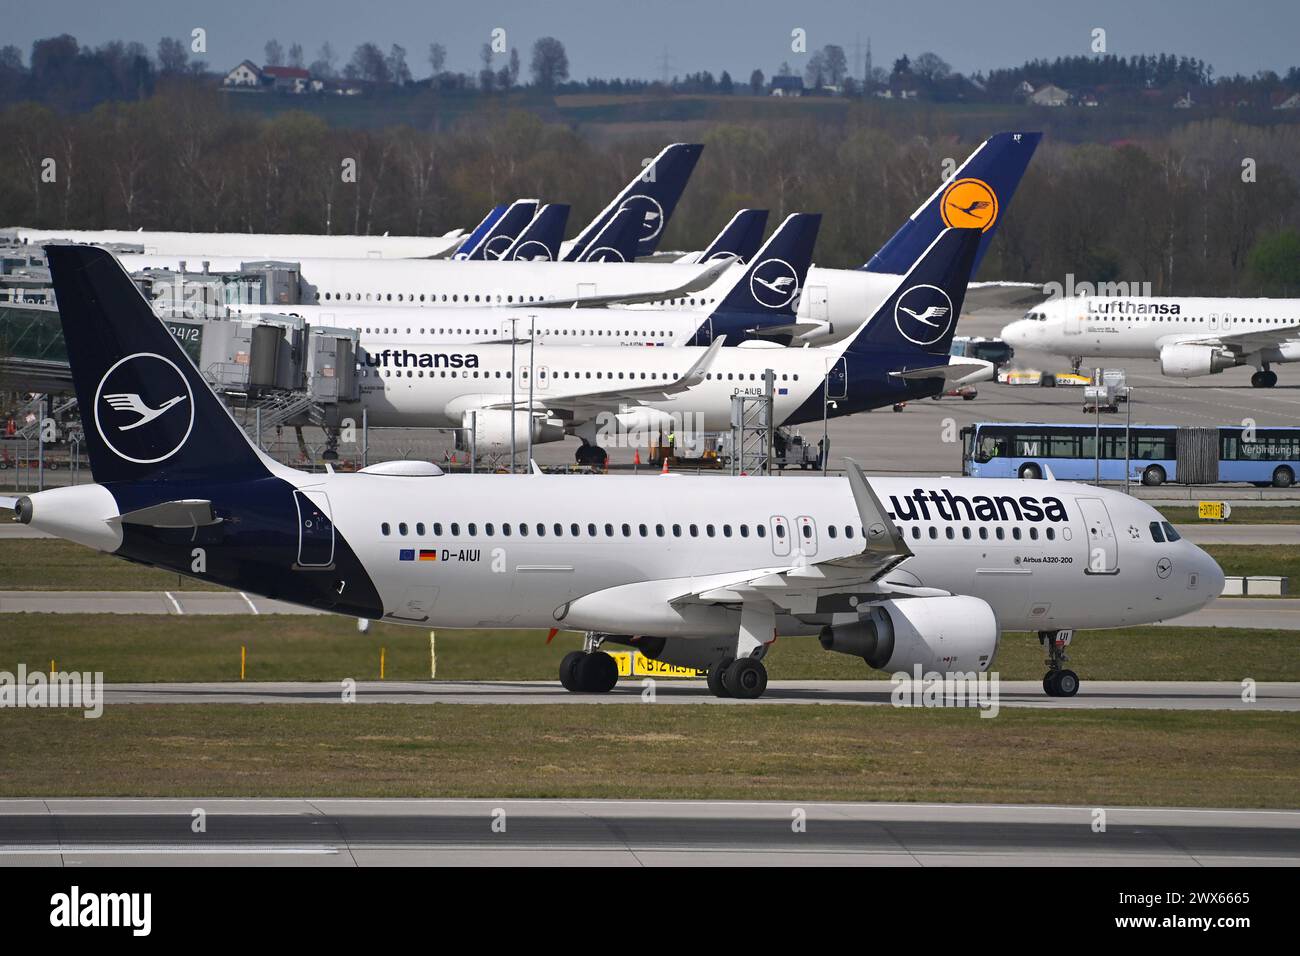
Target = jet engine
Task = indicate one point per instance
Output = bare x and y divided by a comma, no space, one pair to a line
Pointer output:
943,634
1188,361
493,430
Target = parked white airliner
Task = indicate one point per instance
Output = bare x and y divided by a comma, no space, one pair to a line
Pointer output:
705,572
1189,337
898,354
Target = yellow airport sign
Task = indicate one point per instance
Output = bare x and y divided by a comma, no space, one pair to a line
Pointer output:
1213,510
635,664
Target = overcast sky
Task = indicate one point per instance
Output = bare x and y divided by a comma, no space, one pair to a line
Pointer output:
629,38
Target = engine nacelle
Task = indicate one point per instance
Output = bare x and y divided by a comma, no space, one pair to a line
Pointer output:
940,634
493,430
1189,361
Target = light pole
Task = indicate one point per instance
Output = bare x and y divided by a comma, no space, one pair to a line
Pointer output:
514,337
532,374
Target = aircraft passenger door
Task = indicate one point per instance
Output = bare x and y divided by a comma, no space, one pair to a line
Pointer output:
586,290
543,377
806,529
1103,546
1074,323
837,380
779,528
315,529
1214,321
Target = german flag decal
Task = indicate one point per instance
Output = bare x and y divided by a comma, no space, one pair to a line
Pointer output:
427,554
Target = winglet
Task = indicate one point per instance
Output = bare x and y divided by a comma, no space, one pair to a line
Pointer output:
534,468
695,374
882,535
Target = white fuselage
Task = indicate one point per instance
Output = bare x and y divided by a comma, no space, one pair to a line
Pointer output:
380,326
588,534
436,386
1140,327
842,298
251,245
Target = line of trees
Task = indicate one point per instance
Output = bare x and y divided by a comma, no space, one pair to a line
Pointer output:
63,74
1181,209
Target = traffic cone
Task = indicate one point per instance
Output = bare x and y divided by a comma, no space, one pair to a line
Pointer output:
636,457
665,471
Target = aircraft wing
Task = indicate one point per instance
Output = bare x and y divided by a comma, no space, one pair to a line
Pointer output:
817,586
582,403
8,502
702,280
1247,340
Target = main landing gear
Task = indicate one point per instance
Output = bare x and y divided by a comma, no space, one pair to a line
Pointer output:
588,672
744,678
1060,681
1264,378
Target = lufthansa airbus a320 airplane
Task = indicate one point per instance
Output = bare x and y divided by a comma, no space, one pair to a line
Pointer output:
704,572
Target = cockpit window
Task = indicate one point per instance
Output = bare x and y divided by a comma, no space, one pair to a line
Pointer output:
1170,533
1157,534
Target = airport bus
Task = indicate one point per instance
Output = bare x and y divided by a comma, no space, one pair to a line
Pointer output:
1154,454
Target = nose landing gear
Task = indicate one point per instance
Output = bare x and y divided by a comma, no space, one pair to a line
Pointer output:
1060,681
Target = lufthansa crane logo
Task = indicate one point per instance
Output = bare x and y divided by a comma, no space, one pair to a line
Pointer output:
923,314
533,251
774,283
497,246
969,204
605,254
651,213
144,408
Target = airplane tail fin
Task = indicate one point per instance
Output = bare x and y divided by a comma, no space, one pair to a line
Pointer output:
739,239
977,196
147,413
770,286
541,238
499,238
921,313
652,195
472,241
617,242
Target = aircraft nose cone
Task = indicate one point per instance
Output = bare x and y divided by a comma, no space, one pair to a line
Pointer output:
1212,576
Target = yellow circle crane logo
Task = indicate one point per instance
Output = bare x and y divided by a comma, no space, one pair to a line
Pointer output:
970,204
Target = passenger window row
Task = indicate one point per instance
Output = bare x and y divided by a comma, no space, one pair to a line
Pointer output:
592,529
999,533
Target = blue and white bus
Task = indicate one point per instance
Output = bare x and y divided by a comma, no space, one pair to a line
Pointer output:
1155,453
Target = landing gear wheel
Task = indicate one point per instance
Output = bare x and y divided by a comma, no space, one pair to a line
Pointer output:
745,678
1257,380
1067,683
717,686
1060,681
1270,379
597,673
569,671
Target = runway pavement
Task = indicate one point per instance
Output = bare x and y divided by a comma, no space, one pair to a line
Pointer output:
1254,613
332,832
1093,695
